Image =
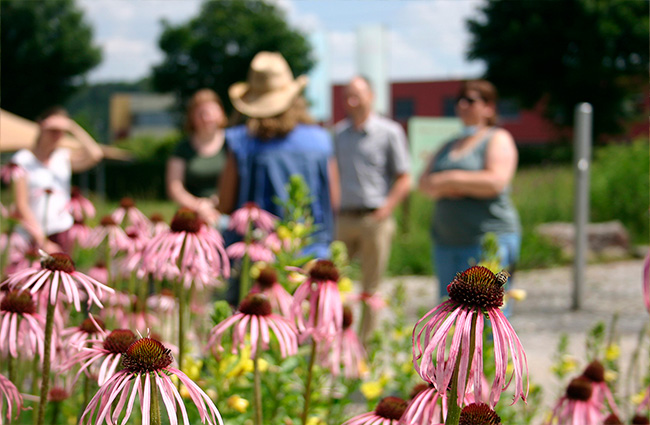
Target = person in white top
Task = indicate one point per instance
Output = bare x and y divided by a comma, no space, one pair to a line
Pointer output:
43,192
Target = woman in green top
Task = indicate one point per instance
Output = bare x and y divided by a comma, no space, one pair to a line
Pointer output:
469,178
196,164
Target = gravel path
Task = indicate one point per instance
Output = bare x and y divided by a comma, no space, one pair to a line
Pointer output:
540,319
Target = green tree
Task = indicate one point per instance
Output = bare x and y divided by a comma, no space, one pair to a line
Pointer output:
215,48
46,49
561,53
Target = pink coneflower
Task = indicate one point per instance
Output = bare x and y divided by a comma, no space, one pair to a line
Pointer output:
345,350
21,328
640,419
256,251
425,407
577,406
388,412
11,171
267,283
80,207
105,353
204,257
55,271
128,210
12,397
472,294
99,271
79,233
133,259
325,316
595,372
158,224
109,229
147,371
165,302
251,213
478,414
255,317
78,335
374,301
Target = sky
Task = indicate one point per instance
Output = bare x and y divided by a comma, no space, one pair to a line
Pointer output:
427,39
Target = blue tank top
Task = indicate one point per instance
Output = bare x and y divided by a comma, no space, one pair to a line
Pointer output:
465,221
264,168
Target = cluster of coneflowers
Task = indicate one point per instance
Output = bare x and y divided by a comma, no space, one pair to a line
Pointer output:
147,273
150,273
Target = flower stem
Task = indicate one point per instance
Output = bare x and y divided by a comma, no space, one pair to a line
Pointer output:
257,388
453,415
56,411
154,408
245,274
310,374
47,349
181,324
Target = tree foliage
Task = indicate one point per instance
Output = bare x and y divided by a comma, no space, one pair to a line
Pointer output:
215,48
566,52
46,49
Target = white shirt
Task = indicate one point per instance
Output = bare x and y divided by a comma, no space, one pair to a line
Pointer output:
51,211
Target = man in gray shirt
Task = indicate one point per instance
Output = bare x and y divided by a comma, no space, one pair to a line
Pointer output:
373,163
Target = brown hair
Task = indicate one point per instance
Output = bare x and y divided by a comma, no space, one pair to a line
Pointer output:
282,124
201,96
486,90
53,110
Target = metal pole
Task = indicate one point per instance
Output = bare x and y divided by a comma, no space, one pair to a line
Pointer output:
582,159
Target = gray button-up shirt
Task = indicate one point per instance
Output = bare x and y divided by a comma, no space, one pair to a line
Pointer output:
369,160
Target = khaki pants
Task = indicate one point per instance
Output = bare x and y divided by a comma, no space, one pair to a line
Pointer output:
370,240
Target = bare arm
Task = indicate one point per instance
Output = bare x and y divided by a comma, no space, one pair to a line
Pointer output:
228,185
500,166
90,152
400,190
335,184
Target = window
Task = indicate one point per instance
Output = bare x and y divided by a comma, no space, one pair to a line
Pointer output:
508,110
153,119
449,106
404,108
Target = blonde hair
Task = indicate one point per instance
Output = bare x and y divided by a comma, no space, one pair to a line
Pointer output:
282,124
198,98
488,93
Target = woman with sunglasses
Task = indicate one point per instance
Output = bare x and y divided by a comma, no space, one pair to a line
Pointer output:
469,179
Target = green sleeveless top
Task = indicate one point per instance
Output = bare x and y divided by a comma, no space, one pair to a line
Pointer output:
464,221
201,173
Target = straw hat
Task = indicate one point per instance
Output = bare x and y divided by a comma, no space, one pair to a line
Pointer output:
270,88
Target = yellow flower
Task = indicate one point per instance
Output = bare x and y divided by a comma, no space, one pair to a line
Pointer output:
610,376
315,420
212,394
407,367
256,268
638,398
192,367
283,232
238,403
517,294
345,285
299,230
612,352
185,393
373,389
263,365
244,365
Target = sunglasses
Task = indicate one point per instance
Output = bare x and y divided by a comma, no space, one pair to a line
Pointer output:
469,100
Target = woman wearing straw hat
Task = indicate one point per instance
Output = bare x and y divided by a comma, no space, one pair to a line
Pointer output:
278,140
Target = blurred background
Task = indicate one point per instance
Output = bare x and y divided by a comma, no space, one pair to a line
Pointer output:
124,70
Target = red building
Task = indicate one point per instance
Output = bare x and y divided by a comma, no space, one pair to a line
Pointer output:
437,99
